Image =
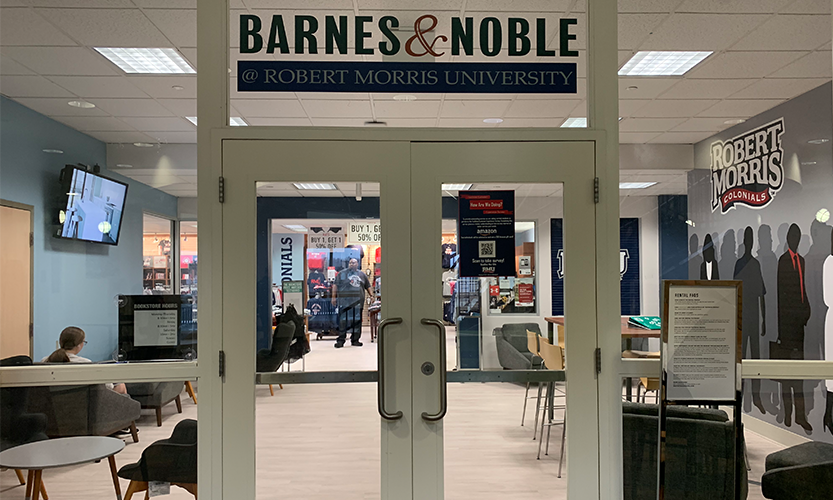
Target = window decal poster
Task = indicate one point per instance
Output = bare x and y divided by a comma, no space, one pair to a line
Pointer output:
486,233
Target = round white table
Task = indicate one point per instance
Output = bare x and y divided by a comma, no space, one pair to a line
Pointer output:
61,452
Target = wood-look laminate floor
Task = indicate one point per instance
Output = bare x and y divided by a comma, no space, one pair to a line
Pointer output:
322,442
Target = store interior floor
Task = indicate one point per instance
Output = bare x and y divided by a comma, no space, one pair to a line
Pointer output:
320,442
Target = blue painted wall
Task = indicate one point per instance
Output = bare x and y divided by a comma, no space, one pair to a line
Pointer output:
76,283
673,236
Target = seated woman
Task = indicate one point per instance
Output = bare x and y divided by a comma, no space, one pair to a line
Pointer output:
71,341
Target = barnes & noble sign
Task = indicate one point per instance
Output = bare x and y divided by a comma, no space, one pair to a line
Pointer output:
311,37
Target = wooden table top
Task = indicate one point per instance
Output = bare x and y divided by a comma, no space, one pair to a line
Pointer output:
627,329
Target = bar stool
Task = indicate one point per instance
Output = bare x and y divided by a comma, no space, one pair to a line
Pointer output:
553,360
532,339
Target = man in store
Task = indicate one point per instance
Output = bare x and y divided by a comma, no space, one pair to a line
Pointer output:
348,295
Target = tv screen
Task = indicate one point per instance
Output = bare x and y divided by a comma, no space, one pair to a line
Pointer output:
93,208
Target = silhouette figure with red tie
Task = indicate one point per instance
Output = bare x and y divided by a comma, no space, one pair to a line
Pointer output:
793,314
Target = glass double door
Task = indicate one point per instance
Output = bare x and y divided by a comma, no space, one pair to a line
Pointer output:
398,322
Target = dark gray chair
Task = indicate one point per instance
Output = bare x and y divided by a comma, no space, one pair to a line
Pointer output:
269,360
87,410
803,472
172,460
700,461
155,395
512,351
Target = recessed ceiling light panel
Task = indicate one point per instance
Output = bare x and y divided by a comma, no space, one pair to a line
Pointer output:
143,144
54,151
295,227
575,123
405,97
81,104
192,119
493,120
734,121
818,141
635,185
321,186
662,63
456,187
236,121
164,61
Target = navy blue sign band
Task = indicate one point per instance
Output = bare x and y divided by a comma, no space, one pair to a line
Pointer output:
468,78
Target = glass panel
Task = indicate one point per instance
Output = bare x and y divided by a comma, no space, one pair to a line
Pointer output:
350,81
320,267
489,320
157,256
136,424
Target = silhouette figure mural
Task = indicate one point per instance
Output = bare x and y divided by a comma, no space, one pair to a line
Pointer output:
770,391
827,277
728,254
793,314
709,270
748,270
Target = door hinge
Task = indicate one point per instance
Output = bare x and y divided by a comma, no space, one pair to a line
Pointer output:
31,239
598,360
31,330
223,364
596,190
222,189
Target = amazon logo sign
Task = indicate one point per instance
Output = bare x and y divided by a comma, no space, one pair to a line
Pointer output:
311,36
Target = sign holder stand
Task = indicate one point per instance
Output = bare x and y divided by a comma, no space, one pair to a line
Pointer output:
686,286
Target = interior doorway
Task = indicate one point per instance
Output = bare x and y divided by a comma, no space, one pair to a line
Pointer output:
16,277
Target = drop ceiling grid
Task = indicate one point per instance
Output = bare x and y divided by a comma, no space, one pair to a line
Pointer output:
640,22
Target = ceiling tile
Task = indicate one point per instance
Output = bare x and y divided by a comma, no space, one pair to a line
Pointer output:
90,87
180,26
636,137
701,31
640,6
9,66
807,7
531,122
779,88
743,64
303,4
471,109
680,137
162,86
628,107
739,108
674,108
175,137
402,109
814,65
131,107
180,107
634,28
168,4
649,124
165,124
411,122
275,108
705,89
30,86
57,107
279,122
190,54
646,87
323,109
61,60
732,6
13,3
421,5
107,27
549,108
96,123
121,137
701,125
517,6
465,122
788,32
22,26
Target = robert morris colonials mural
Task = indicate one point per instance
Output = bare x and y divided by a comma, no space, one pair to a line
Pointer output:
759,205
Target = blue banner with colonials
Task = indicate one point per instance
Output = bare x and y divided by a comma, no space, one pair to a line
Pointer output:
468,78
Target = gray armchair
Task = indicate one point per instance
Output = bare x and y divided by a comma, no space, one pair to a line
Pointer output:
155,395
803,472
700,453
88,410
512,351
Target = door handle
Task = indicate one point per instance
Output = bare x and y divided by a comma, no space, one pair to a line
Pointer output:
435,417
380,363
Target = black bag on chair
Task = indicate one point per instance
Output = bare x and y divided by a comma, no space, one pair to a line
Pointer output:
300,344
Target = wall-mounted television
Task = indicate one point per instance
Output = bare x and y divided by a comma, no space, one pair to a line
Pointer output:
92,206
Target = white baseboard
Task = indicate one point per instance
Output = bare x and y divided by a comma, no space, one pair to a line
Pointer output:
773,432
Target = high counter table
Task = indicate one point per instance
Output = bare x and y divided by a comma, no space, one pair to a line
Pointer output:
629,332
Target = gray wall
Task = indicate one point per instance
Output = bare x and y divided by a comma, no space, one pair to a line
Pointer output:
807,188
76,283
